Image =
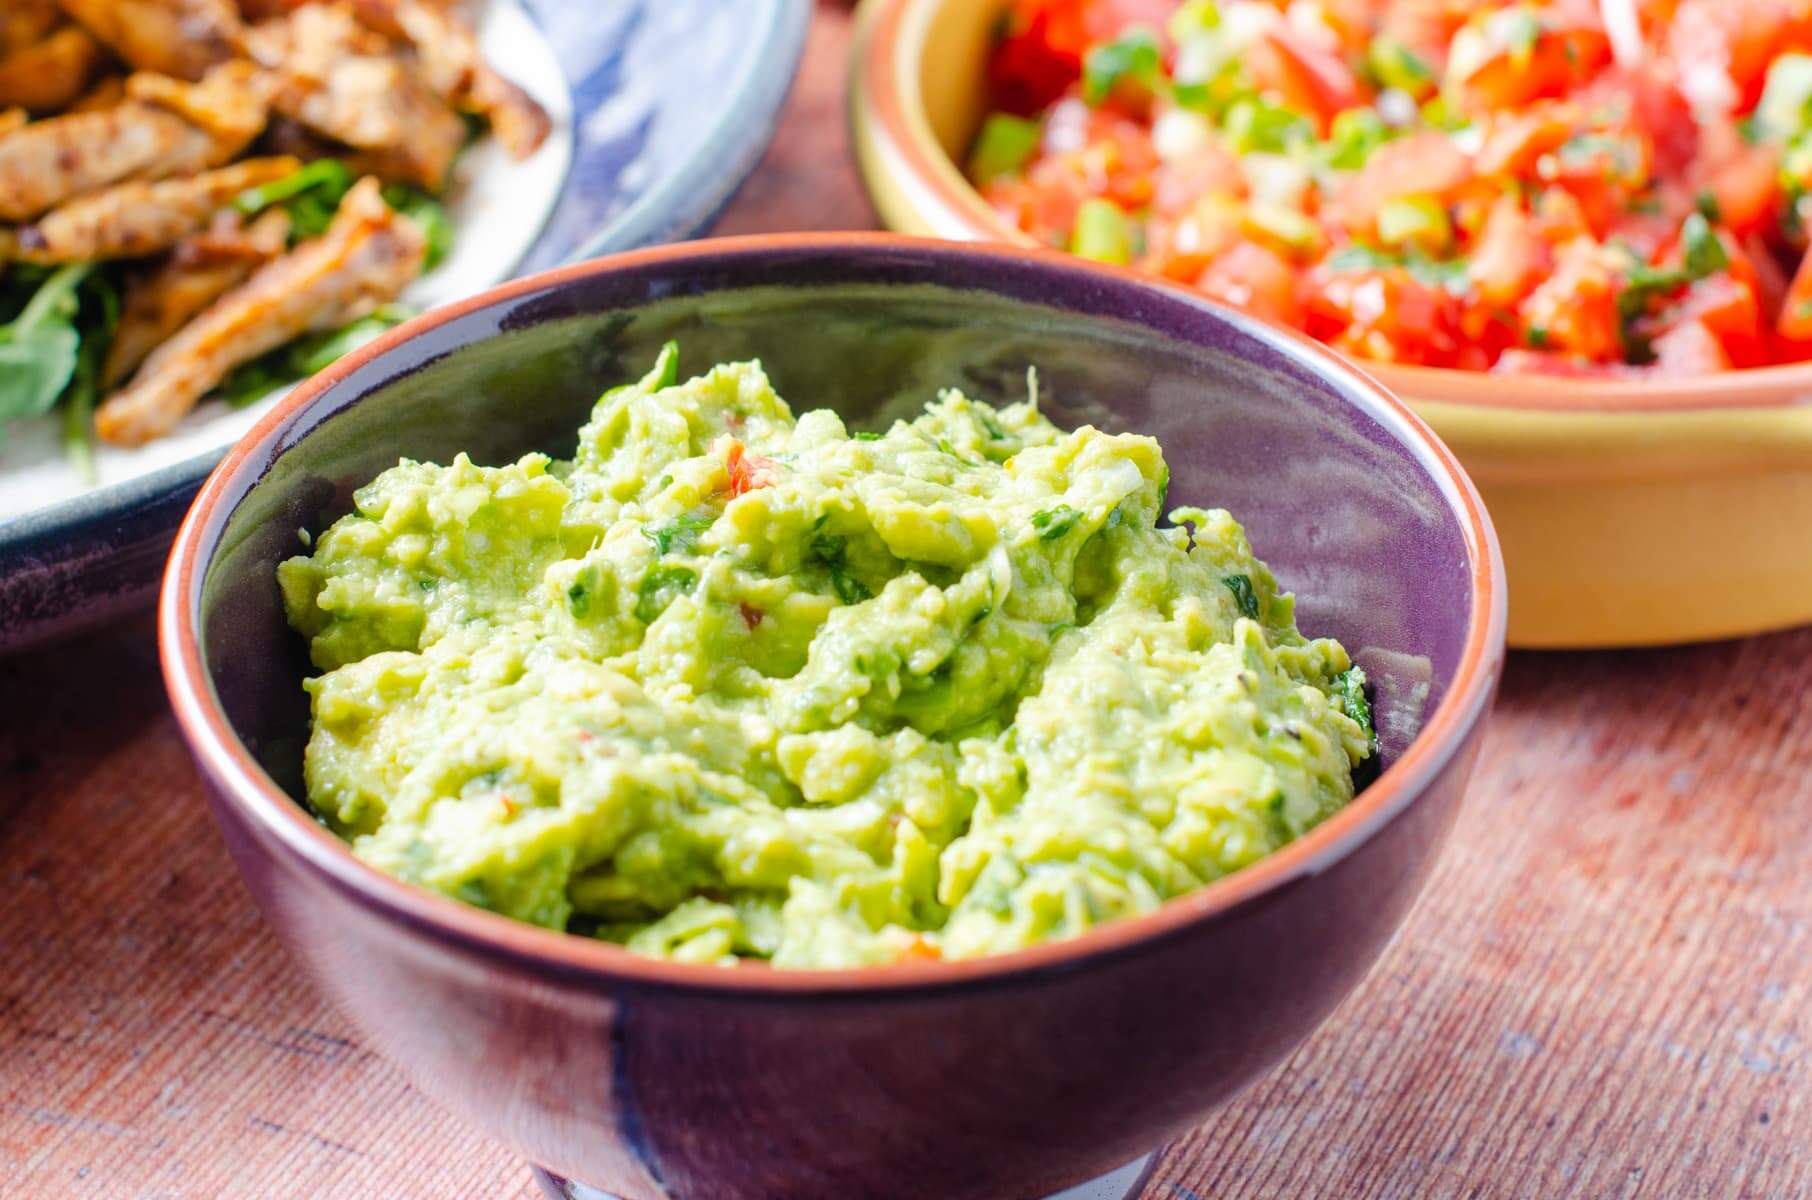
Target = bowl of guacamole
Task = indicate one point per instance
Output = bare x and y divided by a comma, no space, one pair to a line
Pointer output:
790,716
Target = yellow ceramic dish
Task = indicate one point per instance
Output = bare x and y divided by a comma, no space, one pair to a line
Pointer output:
1630,513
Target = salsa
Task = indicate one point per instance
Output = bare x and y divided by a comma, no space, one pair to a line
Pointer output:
1582,187
731,684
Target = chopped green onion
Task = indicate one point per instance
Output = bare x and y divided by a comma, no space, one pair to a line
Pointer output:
1102,232
1003,146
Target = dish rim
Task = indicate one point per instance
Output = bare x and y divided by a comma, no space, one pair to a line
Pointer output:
256,798
884,93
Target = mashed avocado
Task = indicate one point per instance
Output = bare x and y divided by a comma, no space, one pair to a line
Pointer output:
734,684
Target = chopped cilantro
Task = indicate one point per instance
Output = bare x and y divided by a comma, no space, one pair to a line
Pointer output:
1134,58
831,549
1053,523
1243,596
1349,690
679,535
867,437
1451,274
1705,254
849,589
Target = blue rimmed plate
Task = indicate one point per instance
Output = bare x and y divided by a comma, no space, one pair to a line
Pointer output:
662,108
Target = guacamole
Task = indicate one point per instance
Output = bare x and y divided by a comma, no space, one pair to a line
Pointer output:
731,683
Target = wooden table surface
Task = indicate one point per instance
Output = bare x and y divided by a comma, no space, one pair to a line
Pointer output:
1605,991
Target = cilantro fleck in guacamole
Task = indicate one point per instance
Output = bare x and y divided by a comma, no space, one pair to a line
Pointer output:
733,684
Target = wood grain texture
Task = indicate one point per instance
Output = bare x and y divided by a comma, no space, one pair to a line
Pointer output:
1607,990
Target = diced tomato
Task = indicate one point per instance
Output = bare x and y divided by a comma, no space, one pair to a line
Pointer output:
1211,170
1040,55
1487,72
1575,308
1689,348
1256,279
1795,320
1516,141
1045,202
746,471
1651,97
1184,248
1723,48
1764,273
1308,78
1558,217
1348,23
1746,187
1386,315
1510,257
1727,309
1423,164
1119,160
751,616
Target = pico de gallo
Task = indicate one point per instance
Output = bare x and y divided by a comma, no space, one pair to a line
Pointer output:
1583,187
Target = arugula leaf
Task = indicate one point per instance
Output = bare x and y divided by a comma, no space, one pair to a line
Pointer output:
305,356
310,195
40,348
429,215
99,318
1244,598
661,587
327,175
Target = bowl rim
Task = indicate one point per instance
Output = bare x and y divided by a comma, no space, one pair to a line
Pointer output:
242,785
886,101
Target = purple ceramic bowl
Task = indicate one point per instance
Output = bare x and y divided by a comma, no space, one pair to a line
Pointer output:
1006,1077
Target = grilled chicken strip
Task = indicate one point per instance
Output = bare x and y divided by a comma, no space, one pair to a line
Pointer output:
173,37
48,75
447,58
131,220
24,22
365,259
50,161
201,269
342,81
